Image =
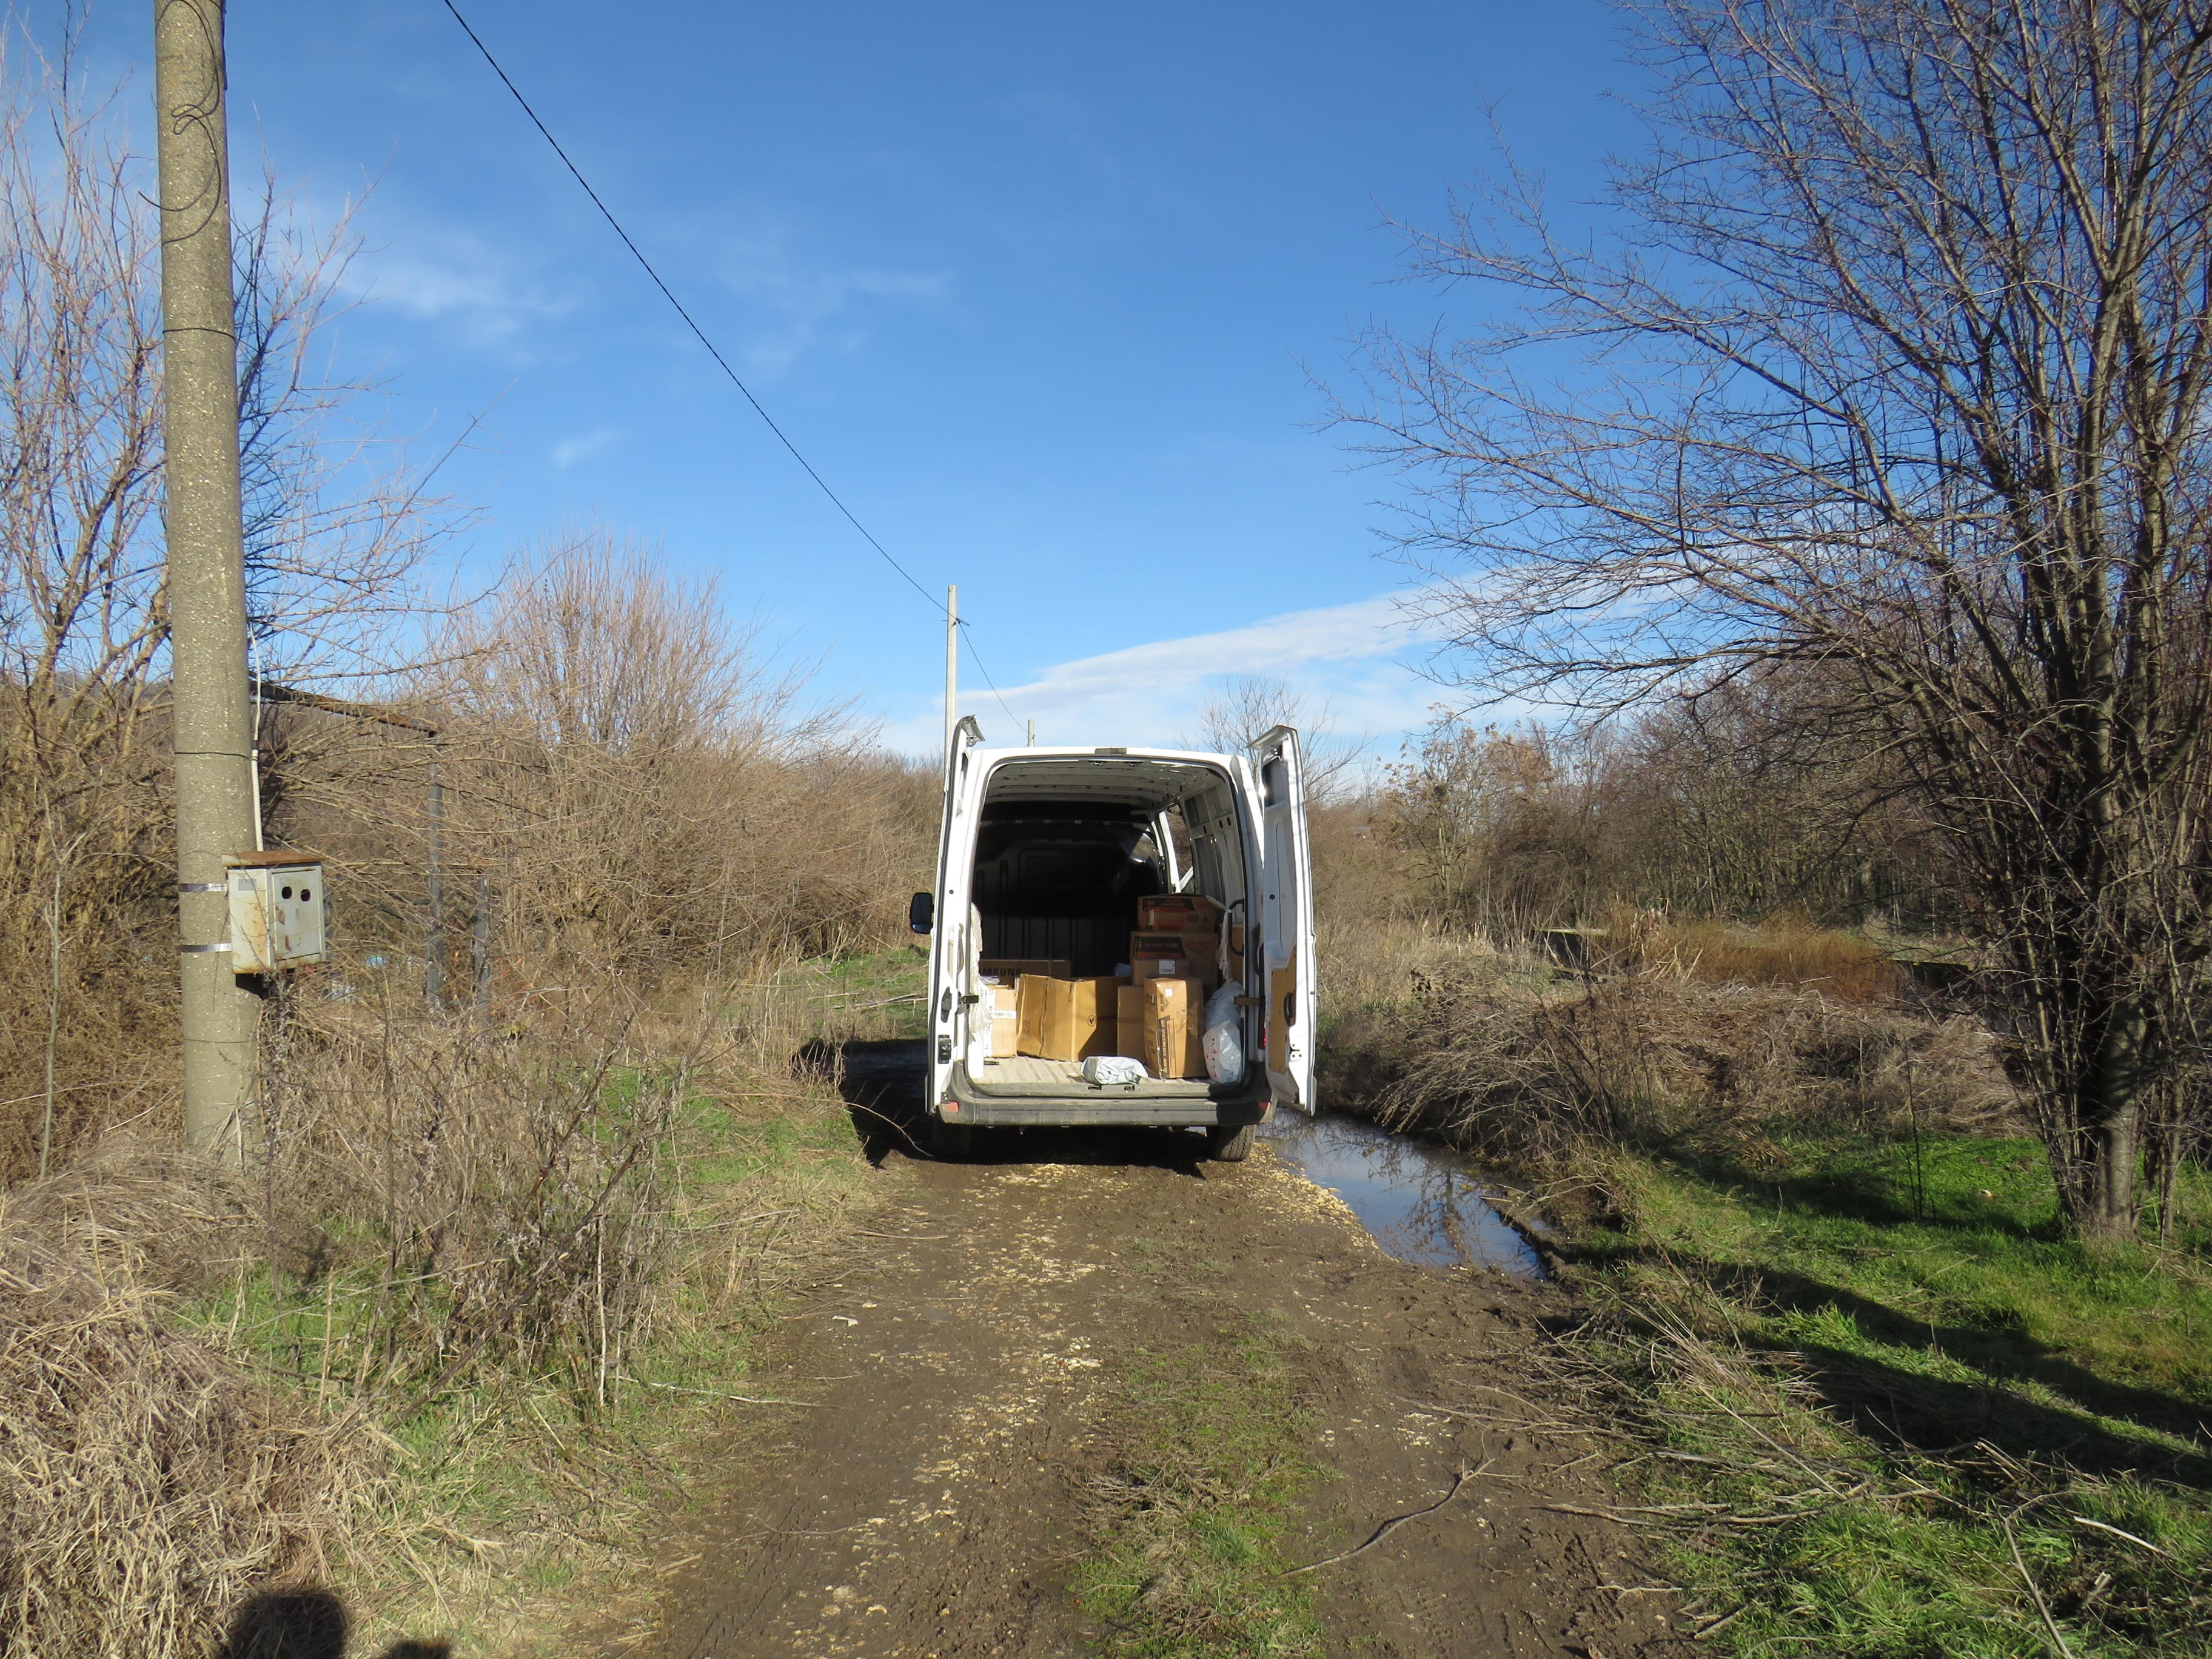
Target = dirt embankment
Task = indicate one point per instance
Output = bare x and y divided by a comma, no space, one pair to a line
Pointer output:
939,1492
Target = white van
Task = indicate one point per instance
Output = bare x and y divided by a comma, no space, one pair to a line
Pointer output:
1043,856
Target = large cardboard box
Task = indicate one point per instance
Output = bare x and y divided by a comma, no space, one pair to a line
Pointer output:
1174,1010
1129,1019
1063,1018
1171,956
1002,1005
1178,913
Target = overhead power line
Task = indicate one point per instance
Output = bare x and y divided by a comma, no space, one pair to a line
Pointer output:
720,362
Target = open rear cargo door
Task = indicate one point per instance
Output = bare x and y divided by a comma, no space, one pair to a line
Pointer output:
953,947
1286,924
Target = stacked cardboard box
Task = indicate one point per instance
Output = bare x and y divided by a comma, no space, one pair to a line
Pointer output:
1192,921
1179,912
1174,1009
1173,956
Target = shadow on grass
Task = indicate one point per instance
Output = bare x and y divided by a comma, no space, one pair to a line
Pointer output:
881,1082
1903,1407
1873,1195
304,1624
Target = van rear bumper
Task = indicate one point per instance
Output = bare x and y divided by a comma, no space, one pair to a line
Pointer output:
1246,1102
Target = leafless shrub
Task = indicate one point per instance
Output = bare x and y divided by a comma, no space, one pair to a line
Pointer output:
495,1200
86,912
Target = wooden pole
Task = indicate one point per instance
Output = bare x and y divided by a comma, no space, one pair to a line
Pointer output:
205,541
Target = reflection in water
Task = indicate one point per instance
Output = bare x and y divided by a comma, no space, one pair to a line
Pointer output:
1422,1203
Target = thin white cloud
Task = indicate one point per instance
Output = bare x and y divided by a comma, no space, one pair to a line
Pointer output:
453,276
796,303
1359,659
585,445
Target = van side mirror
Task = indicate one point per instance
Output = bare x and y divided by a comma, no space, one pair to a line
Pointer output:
921,914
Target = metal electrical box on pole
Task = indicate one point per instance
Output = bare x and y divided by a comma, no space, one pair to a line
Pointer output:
205,548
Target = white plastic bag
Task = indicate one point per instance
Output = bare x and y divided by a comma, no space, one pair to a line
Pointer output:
1114,1071
1224,1037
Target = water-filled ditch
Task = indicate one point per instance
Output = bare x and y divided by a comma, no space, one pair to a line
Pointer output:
1423,1203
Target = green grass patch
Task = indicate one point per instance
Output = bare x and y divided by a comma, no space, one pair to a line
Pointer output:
1895,1412
890,987
1207,1462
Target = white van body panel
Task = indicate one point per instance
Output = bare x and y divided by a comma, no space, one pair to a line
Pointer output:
952,959
1277,881
1286,922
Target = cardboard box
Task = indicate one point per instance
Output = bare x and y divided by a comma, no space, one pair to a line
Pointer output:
1129,1019
1174,1010
1063,1018
1170,956
1178,913
1010,970
1002,1004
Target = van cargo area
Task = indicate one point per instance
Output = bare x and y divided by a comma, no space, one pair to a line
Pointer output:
1065,851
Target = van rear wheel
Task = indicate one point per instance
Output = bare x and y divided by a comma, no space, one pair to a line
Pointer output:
952,1139
1229,1146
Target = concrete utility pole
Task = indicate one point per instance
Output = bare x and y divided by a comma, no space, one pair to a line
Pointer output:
951,668
206,564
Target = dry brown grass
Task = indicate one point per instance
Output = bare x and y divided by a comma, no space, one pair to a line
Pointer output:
1386,962
1789,953
148,1478
397,1357
1696,1030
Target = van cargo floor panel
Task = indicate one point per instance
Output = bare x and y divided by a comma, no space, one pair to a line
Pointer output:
1027,1076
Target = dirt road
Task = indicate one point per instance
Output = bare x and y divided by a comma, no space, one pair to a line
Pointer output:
937,1499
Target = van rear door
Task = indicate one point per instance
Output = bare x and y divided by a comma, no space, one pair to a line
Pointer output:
952,949
1286,924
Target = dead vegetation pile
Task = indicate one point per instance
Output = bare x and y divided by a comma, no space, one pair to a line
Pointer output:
1537,1077
148,1479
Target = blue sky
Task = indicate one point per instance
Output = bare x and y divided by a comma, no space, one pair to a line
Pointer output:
1037,289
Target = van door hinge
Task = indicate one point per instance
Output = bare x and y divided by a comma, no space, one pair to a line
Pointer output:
945,1051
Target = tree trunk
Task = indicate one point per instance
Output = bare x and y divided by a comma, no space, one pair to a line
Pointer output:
2106,1206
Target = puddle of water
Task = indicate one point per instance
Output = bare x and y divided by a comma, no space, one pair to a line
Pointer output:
1423,1204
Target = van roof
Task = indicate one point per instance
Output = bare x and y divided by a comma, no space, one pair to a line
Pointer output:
1134,777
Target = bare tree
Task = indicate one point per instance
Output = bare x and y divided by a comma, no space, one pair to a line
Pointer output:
1895,363
1245,708
336,533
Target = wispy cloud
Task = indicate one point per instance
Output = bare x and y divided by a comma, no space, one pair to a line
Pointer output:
584,446
1361,660
453,276
798,303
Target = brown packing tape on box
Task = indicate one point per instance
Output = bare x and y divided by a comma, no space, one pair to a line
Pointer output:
1064,1018
1173,1045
